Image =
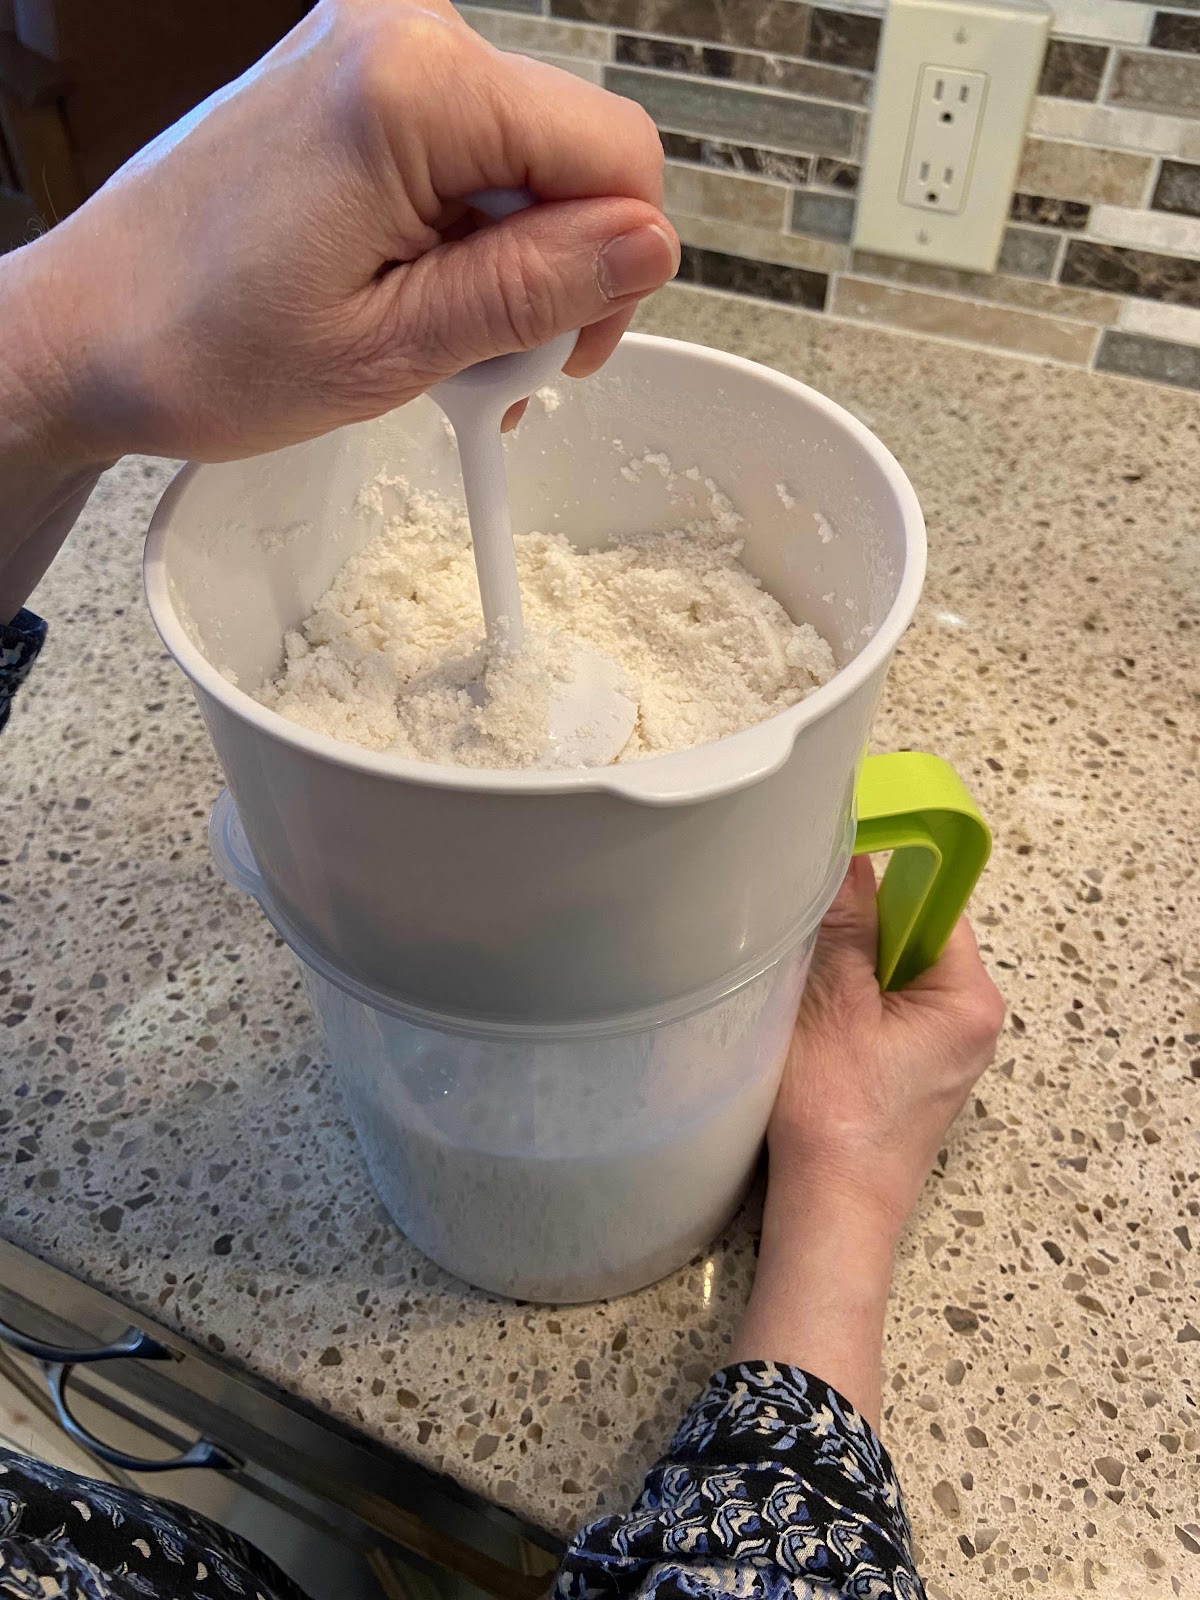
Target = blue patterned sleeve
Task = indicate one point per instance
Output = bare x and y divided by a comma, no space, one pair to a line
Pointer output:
20,641
773,1486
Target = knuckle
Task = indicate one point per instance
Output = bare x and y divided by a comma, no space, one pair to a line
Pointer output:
970,1025
440,328
996,1009
385,42
526,293
985,1015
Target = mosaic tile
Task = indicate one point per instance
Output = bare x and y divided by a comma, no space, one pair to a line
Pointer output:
668,55
845,38
755,98
828,216
1134,356
746,158
1113,20
517,5
1157,83
577,66
743,116
1178,189
1048,213
763,244
1171,32
1073,71
1138,272
1029,294
1073,172
950,318
740,66
779,25
765,280
510,31
702,193
1146,230
1027,254
835,174
1178,324
1112,128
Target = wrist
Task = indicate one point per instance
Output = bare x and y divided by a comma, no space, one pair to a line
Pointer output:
854,1200
49,417
834,1247
48,463
821,1287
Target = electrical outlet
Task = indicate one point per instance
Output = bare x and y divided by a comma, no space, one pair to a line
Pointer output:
955,82
945,130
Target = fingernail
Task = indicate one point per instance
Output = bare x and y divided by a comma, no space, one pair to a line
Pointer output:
513,415
636,261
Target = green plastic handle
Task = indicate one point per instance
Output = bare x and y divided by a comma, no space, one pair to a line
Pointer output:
917,807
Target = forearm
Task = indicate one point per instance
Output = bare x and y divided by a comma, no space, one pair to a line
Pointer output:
47,469
821,1289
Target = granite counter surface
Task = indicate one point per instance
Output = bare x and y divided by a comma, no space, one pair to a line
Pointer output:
172,1133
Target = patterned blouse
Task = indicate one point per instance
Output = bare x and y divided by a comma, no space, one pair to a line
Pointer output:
773,1488
20,641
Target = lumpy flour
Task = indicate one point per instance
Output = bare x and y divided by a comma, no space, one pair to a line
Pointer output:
393,658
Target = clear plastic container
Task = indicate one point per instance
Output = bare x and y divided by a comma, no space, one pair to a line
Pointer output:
555,1162
564,1164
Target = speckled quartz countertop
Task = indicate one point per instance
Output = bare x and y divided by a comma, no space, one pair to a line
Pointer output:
173,1134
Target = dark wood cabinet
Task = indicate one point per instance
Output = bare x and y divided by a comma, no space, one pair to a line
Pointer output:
85,83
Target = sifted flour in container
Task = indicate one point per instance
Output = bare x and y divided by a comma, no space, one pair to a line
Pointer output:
393,657
550,1166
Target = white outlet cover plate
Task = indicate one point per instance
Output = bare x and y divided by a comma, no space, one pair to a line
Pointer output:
964,225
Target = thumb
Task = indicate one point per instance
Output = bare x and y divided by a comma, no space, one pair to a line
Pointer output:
516,284
850,928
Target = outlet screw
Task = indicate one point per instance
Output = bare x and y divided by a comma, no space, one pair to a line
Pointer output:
961,36
922,236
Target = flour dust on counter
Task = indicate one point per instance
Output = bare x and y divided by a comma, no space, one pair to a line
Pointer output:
393,656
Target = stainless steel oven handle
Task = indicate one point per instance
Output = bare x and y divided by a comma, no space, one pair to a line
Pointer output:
133,1342
204,1453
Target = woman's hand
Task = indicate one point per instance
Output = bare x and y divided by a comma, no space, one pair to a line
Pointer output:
874,1080
296,254
872,1084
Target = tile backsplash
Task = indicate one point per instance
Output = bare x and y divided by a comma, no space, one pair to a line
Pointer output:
763,107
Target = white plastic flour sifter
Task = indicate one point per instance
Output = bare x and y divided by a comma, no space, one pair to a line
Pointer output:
558,1001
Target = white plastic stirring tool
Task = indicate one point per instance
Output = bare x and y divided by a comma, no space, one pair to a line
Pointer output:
591,718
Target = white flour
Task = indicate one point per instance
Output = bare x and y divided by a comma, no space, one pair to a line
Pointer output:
392,657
